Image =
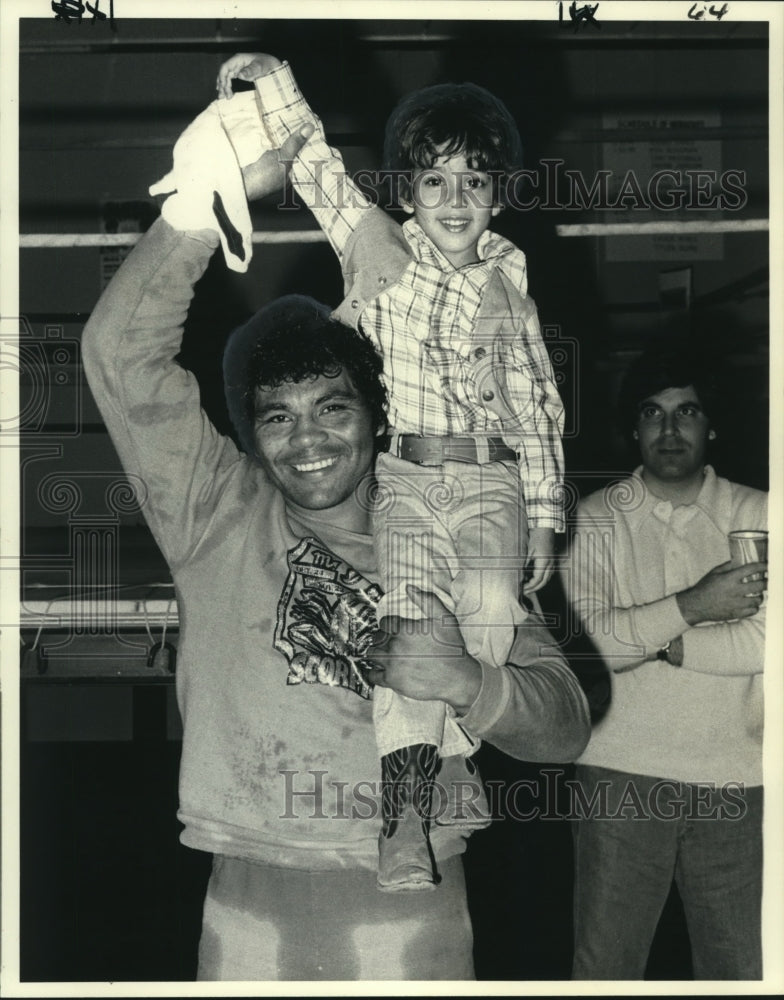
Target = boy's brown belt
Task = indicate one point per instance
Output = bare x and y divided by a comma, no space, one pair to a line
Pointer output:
437,450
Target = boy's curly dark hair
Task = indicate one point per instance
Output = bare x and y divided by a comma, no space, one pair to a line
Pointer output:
448,119
293,339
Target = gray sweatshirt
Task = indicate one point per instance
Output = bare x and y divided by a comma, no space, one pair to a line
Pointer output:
279,761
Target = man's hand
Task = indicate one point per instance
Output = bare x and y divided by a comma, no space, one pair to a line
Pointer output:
268,173
425,660
541,559
244,66
724,594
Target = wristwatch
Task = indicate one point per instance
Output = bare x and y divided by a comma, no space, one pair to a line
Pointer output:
664,652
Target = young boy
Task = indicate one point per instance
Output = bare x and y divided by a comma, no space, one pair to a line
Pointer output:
468,494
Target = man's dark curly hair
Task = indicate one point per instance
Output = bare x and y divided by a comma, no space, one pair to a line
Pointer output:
448,119
293,339
666,365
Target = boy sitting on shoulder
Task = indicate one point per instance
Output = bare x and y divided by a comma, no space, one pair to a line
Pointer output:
469,492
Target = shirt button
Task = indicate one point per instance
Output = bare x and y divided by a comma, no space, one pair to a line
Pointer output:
480,352
382,280
487,395
354,304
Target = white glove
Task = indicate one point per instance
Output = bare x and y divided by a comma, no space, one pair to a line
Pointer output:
205,183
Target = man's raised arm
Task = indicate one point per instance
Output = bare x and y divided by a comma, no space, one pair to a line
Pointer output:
150,404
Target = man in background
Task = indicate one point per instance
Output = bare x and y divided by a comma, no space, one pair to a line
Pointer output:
672,777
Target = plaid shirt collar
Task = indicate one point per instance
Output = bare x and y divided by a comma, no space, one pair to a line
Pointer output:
492,249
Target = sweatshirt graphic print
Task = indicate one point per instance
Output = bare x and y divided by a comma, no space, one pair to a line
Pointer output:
326,619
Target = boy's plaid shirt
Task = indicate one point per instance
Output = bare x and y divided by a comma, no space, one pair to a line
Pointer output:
423,324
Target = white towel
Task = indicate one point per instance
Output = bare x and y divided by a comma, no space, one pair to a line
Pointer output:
205,183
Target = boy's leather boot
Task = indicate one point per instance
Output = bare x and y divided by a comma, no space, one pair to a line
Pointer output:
405,858
462,800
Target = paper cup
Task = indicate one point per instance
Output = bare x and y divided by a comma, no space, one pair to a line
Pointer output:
747,547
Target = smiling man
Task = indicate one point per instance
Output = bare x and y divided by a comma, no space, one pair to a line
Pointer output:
671,779
315,441
306,397
273,562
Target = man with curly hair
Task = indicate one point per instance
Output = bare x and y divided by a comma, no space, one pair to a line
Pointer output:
272,559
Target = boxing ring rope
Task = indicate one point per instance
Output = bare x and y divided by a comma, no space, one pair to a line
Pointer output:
654,228
87,607
29,241
48,241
